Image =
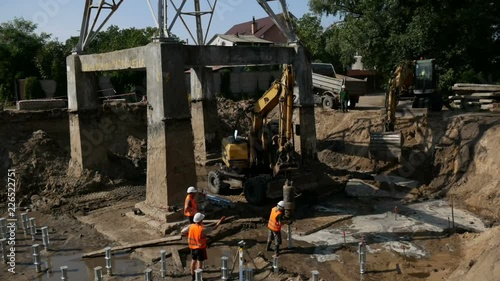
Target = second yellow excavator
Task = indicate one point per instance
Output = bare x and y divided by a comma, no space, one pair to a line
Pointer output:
267,153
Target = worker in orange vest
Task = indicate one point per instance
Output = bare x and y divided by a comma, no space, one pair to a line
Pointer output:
274,225
197,240
190,204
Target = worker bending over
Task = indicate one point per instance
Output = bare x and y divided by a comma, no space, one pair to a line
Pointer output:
275,221
197,240
190,204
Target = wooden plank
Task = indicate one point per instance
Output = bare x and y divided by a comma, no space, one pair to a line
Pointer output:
325,225
134,246
458,85
176,257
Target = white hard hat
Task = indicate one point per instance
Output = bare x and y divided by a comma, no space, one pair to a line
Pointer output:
192,189
343,86
198,217
281,204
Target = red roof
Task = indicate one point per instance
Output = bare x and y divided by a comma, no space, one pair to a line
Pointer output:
263,25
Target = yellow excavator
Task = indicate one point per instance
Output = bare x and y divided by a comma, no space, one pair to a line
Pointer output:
267,154
418,80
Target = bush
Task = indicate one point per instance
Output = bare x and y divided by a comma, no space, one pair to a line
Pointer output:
33,89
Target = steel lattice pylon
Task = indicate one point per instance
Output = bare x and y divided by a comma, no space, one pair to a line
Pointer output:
94,10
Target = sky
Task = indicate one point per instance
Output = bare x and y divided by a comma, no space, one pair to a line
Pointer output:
63,18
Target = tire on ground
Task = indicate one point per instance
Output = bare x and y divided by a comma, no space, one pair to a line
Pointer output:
255,190
216,183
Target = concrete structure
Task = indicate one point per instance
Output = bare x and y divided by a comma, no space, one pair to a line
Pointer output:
41,104
171,165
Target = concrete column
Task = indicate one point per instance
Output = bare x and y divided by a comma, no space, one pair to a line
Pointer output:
205,121
86,138
305,142
171,167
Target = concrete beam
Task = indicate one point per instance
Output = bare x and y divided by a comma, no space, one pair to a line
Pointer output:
171,166
205,120
240,55
127,59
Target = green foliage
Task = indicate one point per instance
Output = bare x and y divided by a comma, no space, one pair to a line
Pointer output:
314,38
18,45
460,35
32,89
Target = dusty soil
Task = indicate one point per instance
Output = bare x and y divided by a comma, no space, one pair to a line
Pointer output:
453,154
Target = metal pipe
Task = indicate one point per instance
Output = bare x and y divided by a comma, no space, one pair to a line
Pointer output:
241,263
3,227
249,274
276,260
163,262
198,273
33,228
24,219
108,261
36,257
224,268
45,238
362,257
64,272
98,273
148,274
315,275
288,198
3,242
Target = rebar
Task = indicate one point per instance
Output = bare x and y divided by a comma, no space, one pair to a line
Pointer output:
148,274
36,257
362,257
3,242
249,274
108,261
64,272
163,262
98,273
3,227
198,273
45,237
276,260
315,275
24,218
224,268
289,236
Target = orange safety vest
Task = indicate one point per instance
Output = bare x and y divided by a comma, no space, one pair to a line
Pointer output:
190,211
273,224
195,239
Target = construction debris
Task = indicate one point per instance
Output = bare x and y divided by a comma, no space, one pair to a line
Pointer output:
476,96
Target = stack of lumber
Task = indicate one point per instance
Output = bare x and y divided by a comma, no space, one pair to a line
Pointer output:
480,96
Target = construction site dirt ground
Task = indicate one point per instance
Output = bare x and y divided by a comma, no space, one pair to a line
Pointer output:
402,211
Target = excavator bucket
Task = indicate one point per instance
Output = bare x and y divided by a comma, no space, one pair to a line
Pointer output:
386,146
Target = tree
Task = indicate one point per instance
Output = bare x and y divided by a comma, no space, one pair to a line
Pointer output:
51,64
463,36
18,45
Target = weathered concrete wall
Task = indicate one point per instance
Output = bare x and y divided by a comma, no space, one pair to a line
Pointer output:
41,104
133,58
171,167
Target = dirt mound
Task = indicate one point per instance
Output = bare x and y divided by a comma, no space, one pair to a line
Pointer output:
482,257
466,164
235,115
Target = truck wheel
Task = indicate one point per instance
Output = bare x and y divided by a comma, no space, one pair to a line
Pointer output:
352,103
328,102
255,190
216,185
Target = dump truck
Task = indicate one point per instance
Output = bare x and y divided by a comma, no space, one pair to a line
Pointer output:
327,85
